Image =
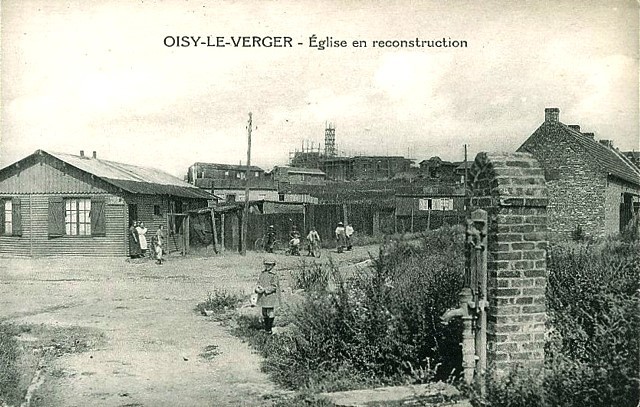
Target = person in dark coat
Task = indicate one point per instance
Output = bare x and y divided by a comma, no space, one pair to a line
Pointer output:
270,240
268,290
134,242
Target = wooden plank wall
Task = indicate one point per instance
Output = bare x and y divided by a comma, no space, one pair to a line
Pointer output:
36,242
43,178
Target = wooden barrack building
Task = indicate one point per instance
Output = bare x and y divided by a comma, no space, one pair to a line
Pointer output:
55,204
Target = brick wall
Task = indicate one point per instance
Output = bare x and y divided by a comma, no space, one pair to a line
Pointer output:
511,188
576,189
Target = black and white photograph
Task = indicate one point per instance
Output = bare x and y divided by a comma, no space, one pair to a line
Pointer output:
319,203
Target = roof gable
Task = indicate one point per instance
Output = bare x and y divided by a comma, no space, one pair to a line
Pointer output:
602,158
130,178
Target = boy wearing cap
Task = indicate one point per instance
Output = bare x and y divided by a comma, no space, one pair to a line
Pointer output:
268,290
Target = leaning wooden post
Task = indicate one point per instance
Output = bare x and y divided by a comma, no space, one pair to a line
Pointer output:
186,234
213,230
222,247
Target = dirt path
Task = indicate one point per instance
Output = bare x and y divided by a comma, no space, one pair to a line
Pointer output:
141,341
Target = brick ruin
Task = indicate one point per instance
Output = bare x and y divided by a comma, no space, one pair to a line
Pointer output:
511,188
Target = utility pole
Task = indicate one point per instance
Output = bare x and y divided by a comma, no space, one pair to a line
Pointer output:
467,204
245,214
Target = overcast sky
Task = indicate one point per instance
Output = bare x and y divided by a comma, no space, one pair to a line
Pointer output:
96,75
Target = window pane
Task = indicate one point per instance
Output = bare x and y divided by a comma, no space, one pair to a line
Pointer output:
67,228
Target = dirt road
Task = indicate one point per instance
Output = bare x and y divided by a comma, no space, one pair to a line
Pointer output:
126,334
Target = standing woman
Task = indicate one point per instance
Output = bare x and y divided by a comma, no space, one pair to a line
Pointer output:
134,245
159,247
142,239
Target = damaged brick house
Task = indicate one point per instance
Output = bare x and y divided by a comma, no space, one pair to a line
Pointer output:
591,184
55,204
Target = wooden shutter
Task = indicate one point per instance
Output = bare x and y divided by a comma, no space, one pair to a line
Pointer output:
16,210
98,219
56,216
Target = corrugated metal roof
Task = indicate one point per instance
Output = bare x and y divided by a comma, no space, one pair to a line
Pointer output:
233,167
302,170
133,179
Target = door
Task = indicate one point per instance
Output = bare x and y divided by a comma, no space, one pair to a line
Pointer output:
626,210
133,213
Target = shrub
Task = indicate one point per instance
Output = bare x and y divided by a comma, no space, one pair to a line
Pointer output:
219,300
578,234
9,373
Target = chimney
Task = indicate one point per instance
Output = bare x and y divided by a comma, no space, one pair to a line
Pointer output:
95,155
82,153
591,135
575,127
607,143
552,115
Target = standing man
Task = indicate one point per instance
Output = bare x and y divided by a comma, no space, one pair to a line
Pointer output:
268,290
348,231
341,237
313,239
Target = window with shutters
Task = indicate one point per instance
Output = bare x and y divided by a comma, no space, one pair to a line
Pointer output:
77,217
8,217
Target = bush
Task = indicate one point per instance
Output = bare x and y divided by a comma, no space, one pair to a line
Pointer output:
380,326
9,373
578,234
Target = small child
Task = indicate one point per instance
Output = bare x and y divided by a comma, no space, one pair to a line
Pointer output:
268,290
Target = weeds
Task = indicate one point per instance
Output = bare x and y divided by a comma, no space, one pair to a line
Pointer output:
593,352
10,392
219,301
310,276
363,330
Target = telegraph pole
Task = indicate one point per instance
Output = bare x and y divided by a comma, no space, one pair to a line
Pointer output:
467,202
245,214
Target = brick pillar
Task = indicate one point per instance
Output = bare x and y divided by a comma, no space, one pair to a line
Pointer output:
511,188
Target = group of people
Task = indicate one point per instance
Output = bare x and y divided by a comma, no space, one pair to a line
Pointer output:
139,246
343,236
